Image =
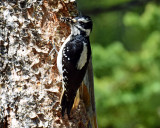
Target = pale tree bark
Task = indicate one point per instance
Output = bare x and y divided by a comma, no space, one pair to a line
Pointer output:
30,85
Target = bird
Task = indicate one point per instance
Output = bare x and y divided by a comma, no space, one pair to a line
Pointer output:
73,58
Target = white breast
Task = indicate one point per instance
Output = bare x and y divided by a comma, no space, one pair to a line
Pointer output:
83,58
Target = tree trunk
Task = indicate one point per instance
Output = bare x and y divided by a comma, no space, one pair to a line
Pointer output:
30,85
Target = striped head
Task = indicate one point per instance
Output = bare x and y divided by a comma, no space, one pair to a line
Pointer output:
80,25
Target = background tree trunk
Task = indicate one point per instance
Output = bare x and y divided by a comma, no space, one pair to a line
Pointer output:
30,85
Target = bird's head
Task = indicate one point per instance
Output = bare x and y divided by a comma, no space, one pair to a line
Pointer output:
80,25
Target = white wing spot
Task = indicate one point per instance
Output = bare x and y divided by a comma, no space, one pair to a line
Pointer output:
83,58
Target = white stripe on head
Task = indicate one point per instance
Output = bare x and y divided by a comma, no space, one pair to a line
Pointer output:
83,20
88,31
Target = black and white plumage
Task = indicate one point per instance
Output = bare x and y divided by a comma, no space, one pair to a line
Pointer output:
73,59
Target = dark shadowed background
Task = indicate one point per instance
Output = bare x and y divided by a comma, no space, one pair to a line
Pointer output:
126,60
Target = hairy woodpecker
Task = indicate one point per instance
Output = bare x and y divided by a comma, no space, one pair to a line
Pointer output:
73,58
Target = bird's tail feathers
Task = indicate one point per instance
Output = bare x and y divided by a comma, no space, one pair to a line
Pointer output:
77,99
67,103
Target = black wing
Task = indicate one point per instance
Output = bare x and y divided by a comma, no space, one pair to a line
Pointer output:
71,54
72,77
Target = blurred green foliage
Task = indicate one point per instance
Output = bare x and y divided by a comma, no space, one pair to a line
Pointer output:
126,62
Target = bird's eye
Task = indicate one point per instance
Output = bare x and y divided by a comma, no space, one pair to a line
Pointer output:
81,23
